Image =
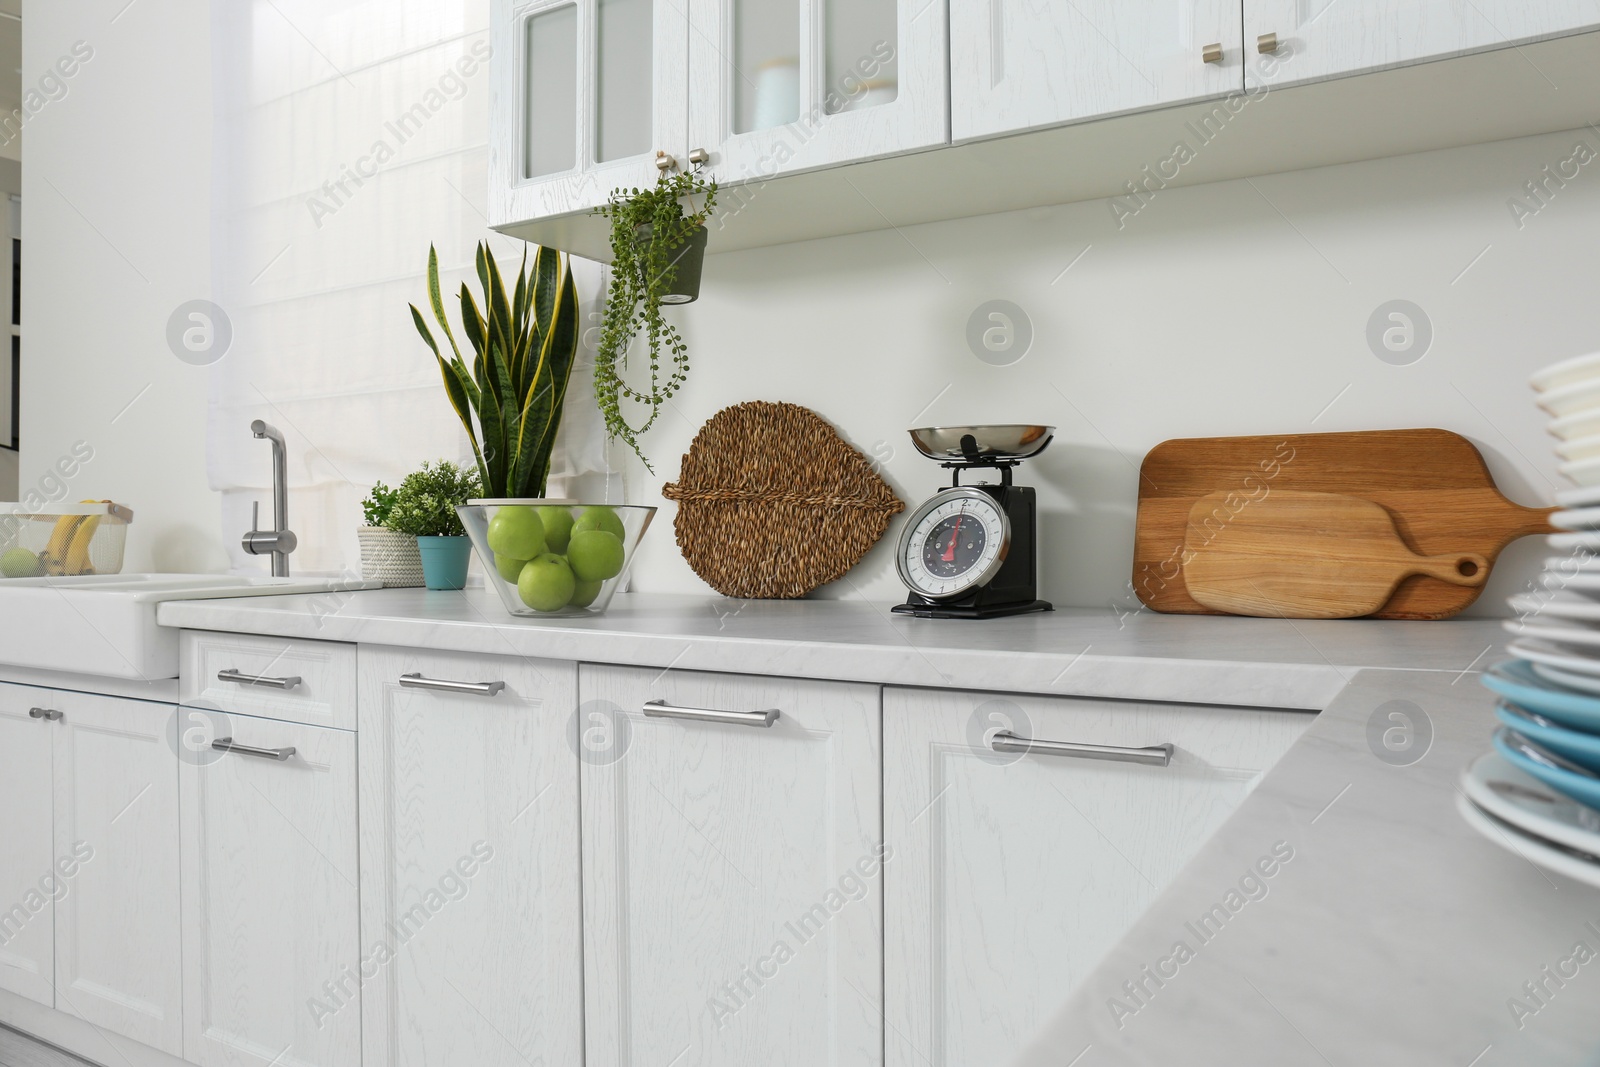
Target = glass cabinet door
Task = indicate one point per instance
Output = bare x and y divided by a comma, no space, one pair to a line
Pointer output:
587,92
778,86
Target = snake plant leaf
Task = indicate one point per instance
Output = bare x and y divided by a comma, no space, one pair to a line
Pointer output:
560,353
520,304
455,387
437,301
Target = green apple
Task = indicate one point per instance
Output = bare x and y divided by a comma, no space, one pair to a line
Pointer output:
516,531
21,563
510,569
546,583
584,593
595,555
601,517
557,527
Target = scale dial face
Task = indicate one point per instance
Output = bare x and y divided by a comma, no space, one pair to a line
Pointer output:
955,542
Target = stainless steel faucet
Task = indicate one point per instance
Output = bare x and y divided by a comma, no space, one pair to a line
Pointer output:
279,541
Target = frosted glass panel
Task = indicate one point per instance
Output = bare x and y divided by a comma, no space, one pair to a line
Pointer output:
622,54
863,55
766,76
550,137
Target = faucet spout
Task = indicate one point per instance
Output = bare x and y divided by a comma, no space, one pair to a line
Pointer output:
279,541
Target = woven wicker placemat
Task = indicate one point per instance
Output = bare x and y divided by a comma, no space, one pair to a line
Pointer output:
772,502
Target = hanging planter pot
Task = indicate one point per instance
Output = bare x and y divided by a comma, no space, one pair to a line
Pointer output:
685,262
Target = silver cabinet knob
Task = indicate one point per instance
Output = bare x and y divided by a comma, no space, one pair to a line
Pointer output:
47,714
1267,42
664,162
1212,53
699,156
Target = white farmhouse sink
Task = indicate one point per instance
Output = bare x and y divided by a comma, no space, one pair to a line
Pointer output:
106,624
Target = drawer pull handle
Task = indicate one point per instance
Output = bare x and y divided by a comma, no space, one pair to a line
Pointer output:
226,744
417,681
47,714
660,709
231,675
1154,755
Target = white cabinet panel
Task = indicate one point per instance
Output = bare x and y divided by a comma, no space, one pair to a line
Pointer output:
271,965
585,93
781,86
1328,38
119,938
1014,873
27,863
732,873
470,865
313,682
1019,64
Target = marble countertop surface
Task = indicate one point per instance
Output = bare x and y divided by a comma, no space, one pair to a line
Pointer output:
1073,652
1395,935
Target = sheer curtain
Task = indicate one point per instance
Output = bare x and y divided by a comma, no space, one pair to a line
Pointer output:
350,135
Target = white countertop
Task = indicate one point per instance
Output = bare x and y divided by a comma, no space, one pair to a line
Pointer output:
1078,652
1394,937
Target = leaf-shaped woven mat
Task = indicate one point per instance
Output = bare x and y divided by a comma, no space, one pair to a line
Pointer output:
772,502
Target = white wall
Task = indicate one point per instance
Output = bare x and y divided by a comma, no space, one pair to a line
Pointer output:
116,199
1234,308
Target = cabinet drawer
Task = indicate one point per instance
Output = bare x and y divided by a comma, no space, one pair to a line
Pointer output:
311,682
1018,866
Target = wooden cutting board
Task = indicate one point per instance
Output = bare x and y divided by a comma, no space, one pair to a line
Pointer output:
1299,555
1433,483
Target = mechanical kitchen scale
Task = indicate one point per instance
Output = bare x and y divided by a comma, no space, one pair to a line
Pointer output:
969,551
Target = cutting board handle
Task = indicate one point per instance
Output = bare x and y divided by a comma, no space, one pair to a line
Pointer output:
1460,568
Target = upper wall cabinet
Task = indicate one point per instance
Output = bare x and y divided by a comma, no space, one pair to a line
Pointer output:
586,92
1329,38
1020,64
779,86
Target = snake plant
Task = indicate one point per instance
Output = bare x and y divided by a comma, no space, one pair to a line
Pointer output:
523,349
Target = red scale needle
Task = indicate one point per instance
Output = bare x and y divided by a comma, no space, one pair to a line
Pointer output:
950,549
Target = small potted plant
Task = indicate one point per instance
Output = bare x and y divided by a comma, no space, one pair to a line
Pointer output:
424,507
386,556
658,245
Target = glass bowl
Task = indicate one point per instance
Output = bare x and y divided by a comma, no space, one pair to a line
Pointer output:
581,552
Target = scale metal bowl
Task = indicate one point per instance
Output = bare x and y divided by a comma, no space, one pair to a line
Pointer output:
944,443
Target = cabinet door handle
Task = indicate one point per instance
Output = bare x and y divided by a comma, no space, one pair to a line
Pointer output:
1267,43
47,714
231,675
1154,755
417,681
1211,53
226,744
660,709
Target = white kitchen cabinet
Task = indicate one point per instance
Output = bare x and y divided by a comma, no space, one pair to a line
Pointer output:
585,93
271,923
470,864
1328,38
1015,872
780,86
733,870
27,860
119,935
1021,64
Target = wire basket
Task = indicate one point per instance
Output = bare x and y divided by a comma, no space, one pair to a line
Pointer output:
62,539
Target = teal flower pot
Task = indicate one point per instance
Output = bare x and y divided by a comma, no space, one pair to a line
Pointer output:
444,561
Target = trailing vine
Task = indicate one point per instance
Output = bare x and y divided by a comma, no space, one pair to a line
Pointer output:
642,272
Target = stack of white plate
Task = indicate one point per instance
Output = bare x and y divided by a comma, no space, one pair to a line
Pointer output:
1538,792
1570,392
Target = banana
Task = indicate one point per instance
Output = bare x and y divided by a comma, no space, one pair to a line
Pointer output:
54,556
77,560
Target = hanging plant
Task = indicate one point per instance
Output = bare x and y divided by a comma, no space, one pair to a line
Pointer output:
657,244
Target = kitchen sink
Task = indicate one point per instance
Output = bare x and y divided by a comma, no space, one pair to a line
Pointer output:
105,624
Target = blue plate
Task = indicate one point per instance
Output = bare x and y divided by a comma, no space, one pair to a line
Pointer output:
1581,748
1583,790
1514,679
